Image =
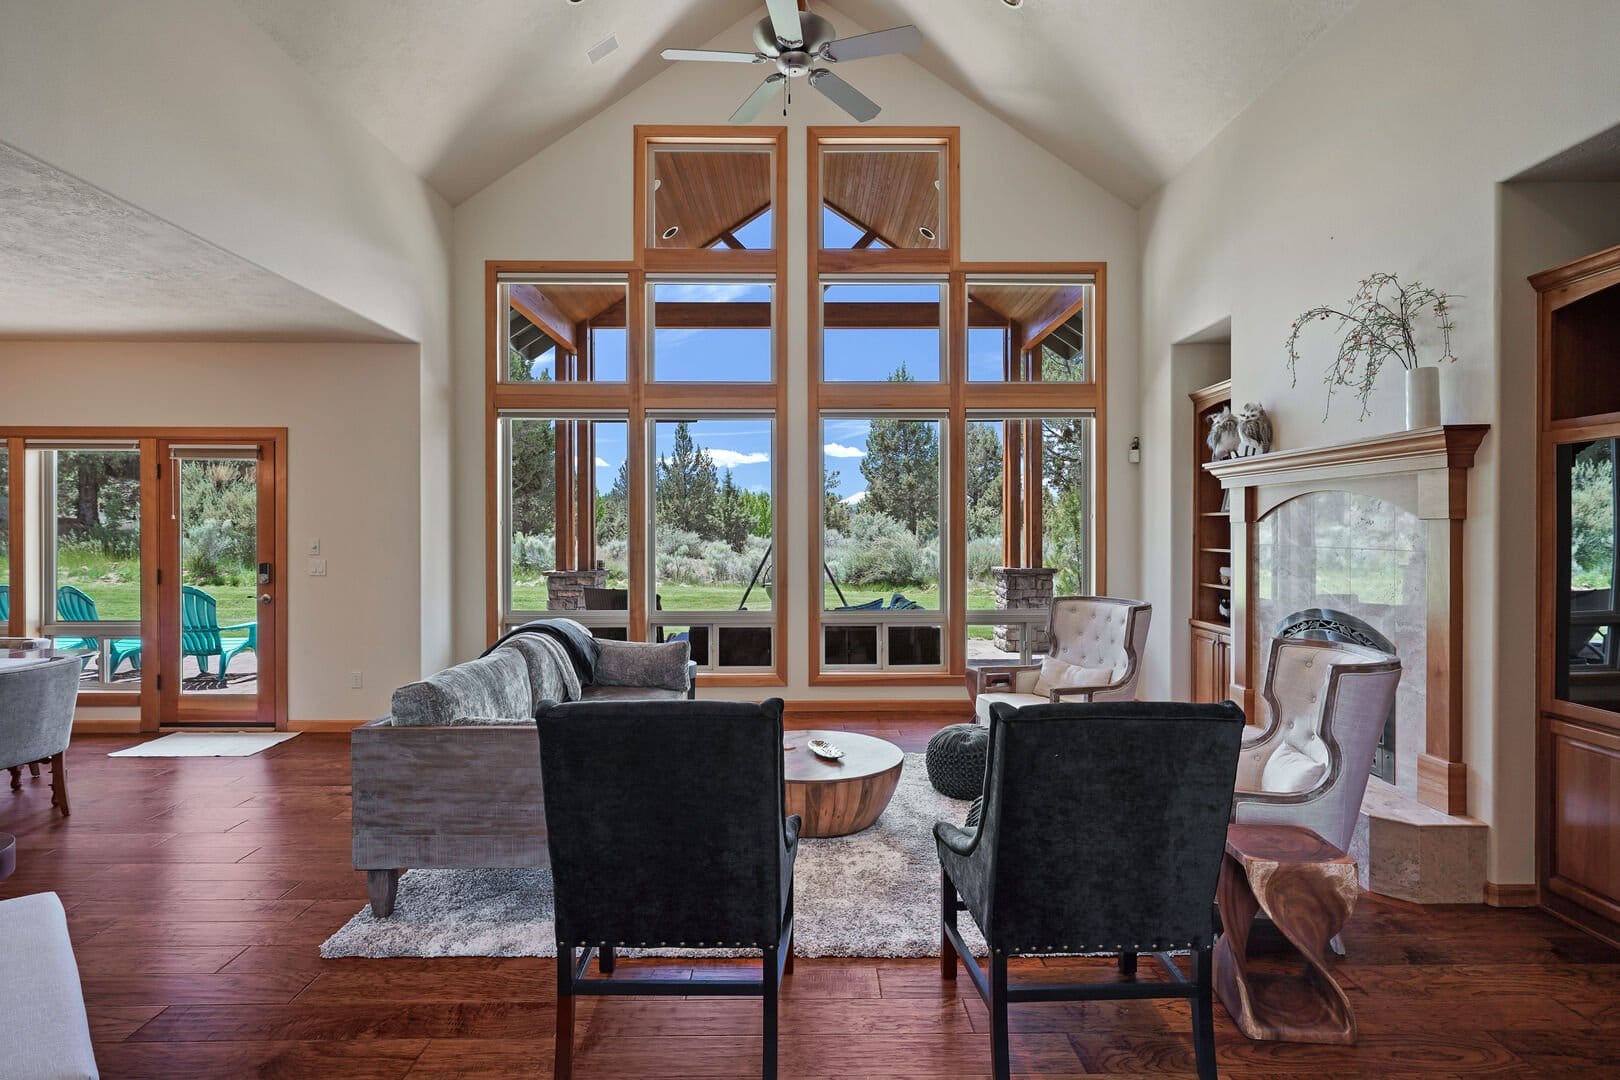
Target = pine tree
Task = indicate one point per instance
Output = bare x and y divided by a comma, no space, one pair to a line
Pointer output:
901,468
688,485
731,515
534,477
984,465
835,513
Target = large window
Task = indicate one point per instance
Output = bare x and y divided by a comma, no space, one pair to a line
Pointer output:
641,414
714,527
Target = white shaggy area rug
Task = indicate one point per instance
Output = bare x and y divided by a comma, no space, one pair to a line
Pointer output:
875,893
207,744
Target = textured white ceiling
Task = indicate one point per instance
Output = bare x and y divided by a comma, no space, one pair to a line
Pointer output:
77,262
1596,159
464,91
1126,91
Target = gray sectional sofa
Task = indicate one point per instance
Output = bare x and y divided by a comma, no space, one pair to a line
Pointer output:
451,778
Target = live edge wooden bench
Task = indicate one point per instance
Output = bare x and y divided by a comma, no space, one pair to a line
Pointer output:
1307,887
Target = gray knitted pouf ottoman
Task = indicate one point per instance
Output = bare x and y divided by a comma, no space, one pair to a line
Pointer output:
956,756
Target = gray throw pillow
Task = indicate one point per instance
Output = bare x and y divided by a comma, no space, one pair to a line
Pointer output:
637,663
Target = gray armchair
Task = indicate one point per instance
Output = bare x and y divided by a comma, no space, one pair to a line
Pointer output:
652,847
1094,654
1326,703
37,698
1103,829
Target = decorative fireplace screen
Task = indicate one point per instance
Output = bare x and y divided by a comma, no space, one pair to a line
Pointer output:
1326,624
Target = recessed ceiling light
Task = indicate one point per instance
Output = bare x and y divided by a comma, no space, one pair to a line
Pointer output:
669,233
927,233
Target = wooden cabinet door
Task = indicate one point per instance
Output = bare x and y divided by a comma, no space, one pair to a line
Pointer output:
1583,840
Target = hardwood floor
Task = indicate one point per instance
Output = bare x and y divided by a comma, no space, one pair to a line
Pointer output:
198,891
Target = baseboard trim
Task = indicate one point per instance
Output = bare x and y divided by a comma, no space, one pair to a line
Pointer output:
1511,895
329,726
98,725
947,711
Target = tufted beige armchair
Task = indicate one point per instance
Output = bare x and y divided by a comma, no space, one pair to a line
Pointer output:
1094,654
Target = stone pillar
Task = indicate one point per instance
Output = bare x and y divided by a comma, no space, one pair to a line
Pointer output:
565,589
1020,588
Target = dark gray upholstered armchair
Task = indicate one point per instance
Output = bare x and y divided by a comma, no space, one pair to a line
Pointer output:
666,829
1103,830
37,698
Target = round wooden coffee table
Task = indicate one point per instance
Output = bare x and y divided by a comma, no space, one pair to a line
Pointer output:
8,855
836,798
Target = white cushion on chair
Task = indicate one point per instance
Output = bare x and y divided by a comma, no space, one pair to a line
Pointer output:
981,707
1057,673
1289,771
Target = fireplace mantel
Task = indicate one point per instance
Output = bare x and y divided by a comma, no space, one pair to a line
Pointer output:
1425,471
1451,446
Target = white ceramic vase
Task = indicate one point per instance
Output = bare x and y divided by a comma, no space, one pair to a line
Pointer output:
1422,397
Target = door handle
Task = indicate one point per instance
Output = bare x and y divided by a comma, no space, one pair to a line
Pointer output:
265,598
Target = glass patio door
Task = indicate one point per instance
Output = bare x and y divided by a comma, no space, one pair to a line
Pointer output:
218,583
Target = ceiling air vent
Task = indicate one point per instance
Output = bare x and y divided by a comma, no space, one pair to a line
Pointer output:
602,48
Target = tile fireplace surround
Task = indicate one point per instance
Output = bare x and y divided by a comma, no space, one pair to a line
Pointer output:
1374,529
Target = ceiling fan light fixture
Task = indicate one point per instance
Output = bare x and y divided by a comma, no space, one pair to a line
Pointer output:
669,233
927,234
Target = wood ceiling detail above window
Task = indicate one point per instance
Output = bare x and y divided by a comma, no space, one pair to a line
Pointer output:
706,196
891,195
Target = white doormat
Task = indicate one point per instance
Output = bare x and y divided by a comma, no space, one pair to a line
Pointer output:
207,744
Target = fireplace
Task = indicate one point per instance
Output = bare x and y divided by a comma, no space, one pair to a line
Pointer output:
1328,624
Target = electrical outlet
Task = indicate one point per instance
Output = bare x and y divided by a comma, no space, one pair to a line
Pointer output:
356,680
317,568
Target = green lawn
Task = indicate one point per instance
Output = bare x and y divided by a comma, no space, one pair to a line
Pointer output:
114,584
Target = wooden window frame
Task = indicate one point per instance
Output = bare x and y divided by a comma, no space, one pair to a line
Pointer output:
954,393
638,396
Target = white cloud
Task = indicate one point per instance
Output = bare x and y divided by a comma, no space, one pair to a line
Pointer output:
833,449
600,464
730,459
855,499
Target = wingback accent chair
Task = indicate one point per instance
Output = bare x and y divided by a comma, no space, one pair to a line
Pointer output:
1103,830
648,853
1326,703
1094,654
36,720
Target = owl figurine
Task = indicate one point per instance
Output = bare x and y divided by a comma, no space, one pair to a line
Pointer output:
1254,431
1223,435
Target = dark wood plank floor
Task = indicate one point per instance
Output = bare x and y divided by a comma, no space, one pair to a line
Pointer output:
198,891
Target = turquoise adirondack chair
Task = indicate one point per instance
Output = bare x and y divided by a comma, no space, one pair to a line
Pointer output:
5,603
73,605
202,636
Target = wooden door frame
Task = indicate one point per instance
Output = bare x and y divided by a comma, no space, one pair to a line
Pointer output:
270,653
147,698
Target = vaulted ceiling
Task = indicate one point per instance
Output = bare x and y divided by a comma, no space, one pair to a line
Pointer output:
1126,91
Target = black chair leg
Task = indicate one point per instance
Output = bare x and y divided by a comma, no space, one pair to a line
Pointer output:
768,1066
1000,1048
947,918
606,959
1203,1014
562,1067
1127,963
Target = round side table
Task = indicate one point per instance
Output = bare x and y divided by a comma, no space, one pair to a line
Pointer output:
8,855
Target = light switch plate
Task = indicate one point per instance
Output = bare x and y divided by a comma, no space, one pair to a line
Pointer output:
314,545
317,568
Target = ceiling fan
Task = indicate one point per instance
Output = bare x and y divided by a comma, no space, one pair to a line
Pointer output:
801,45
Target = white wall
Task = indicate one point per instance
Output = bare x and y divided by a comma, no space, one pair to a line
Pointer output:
352,443
1382,149
187,110
573,202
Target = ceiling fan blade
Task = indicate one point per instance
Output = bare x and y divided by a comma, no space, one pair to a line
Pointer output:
785,19
713,55
843,95
900,39
756,101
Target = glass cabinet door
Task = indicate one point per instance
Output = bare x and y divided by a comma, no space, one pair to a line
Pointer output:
1588,671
